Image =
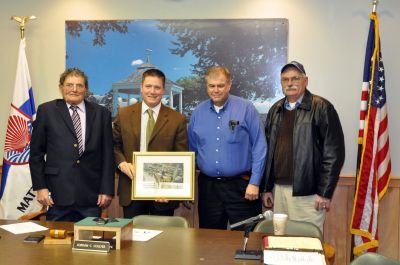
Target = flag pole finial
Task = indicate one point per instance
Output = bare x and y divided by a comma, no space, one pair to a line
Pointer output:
374,5
22,21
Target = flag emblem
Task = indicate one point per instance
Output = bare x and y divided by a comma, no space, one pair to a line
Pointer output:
18,137
16,194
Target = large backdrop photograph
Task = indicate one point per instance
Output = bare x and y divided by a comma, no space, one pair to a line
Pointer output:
115,53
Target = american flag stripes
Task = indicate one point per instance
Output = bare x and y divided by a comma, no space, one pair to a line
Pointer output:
374,165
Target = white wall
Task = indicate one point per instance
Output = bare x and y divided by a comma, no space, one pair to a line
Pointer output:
328,37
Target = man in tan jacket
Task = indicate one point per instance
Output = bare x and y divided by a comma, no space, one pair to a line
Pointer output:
129,134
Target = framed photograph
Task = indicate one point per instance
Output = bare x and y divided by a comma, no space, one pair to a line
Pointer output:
163,175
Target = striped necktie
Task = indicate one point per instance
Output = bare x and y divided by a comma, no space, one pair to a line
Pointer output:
150,125
76,121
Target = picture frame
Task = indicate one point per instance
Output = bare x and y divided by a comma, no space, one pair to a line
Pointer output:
163,175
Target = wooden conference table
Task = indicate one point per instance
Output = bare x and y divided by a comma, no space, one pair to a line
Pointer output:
173,246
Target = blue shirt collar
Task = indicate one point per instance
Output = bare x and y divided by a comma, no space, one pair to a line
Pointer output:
223,107
298,102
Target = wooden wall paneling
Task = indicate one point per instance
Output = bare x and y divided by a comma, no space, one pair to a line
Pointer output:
339,235
114,210
349,183
336,224
388,223
190,210
348,236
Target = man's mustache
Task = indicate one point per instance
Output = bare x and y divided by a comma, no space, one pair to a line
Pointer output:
291,88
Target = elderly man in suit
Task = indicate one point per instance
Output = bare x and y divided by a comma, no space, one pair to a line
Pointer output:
131,133
71,161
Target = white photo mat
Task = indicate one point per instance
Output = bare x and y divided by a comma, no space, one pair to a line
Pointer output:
163,175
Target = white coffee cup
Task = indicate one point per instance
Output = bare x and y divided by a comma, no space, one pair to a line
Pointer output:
280,220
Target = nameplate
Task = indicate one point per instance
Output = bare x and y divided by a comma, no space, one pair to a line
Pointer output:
92,246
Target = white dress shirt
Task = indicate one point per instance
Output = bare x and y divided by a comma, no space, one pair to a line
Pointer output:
143,123
82,116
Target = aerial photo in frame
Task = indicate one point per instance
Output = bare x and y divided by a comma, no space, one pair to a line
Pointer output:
163,175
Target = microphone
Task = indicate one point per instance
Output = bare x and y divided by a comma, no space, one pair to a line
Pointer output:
267,215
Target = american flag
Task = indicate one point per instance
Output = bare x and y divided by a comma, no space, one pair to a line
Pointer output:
374,165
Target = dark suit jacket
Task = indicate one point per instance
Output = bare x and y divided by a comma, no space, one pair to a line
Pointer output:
169,134
55,163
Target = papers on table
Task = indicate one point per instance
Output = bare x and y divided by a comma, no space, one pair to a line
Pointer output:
293,243
21,228
283,250
284,257
144,234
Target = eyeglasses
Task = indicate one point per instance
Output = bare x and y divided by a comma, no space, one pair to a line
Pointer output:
71,86
294,79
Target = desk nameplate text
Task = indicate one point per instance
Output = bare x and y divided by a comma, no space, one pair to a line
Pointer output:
92,246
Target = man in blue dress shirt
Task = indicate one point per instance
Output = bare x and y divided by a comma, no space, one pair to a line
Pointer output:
226,134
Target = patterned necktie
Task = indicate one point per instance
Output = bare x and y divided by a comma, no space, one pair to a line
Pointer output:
76,120
150,125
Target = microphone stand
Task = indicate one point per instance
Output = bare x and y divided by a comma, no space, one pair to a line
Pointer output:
244,253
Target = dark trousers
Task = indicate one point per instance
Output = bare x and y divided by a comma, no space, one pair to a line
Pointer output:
71,213
145,207
222,200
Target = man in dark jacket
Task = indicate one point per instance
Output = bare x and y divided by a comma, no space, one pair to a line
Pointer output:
306,150
72,153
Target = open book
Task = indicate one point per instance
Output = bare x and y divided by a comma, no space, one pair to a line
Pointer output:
283,250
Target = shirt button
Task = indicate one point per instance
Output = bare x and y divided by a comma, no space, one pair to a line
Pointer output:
218,127
216,162
219,117
75,145
78,161
216,150
217,138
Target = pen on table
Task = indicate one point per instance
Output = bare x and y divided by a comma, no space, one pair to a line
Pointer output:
296,249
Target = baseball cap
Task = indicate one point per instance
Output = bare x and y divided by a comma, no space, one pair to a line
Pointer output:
294,64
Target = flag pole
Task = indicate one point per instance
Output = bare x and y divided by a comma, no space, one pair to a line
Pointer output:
374,5
359,154
16,192
22,21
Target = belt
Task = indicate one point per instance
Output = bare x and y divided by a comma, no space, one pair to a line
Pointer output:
245,175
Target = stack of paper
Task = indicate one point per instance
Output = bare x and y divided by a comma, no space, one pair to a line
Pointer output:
21,228
280,250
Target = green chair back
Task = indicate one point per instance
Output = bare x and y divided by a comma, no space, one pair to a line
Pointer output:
163,221
293,228
370,258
